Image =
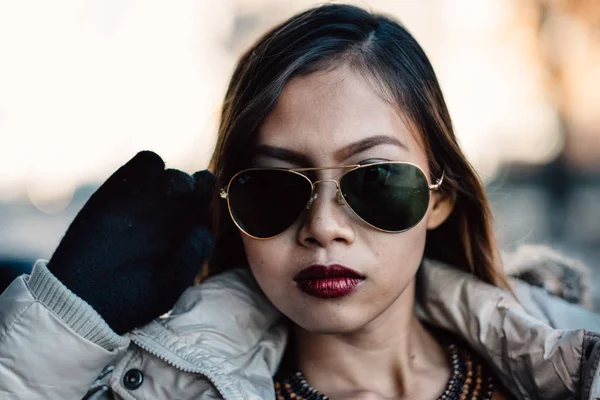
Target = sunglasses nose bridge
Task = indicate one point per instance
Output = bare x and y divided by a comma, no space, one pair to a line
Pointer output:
339,197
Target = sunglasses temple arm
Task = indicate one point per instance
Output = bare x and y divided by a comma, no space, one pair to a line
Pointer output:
438,183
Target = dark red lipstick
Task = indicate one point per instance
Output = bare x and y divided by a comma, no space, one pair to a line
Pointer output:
328,281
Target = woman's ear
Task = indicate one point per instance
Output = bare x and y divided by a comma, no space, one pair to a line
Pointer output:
442,205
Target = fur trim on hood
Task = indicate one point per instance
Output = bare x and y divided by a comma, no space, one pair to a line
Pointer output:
552,271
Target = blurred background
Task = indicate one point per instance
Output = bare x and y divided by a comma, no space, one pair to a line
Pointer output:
85,84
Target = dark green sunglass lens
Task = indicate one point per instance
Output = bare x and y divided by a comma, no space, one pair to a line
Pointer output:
392,197
265,203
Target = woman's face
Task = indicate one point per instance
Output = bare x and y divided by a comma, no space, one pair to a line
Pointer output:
317,119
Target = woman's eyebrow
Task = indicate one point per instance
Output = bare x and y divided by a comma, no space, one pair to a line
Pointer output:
280,153
343,154
365,144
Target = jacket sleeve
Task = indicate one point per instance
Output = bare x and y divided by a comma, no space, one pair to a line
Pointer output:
53,344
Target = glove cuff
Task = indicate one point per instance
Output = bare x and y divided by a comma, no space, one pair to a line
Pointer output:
73,310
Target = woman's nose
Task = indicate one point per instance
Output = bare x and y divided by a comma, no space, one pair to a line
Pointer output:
326,220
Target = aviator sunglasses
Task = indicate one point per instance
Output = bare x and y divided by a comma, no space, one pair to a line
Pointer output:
389,196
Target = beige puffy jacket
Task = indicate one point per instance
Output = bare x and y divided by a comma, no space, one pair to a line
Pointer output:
224,340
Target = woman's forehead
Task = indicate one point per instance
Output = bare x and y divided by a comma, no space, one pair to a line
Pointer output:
321,114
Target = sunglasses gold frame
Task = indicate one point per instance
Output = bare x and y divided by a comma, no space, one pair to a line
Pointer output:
224,192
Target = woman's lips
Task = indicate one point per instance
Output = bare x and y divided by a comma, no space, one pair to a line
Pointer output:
328,281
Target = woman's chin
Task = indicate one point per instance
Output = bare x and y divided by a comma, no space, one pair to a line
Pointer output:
330,323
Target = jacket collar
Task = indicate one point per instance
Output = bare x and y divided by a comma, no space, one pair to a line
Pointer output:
220,327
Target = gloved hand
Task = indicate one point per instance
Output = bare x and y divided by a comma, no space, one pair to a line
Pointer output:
138,242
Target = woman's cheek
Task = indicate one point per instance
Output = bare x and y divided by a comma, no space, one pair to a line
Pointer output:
397,253
267,261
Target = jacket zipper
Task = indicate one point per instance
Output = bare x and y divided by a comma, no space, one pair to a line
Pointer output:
142,344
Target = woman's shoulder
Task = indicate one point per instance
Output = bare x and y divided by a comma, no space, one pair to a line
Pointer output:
523,339
548,285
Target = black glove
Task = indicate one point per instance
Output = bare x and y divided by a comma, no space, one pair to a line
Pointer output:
138,242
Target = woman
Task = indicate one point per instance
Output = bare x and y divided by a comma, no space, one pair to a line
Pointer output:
343,189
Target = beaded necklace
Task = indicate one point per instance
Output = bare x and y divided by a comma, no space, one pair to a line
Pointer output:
469,381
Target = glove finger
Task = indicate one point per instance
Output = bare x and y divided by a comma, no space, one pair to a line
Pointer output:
168,207
143,167
188,260
189,196
178,188
177,183
126,224
160,192
205,183
205,187
98,218
164,197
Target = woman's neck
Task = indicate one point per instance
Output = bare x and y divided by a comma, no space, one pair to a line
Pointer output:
394,355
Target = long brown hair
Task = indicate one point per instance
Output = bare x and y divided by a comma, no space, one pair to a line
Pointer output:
387,55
